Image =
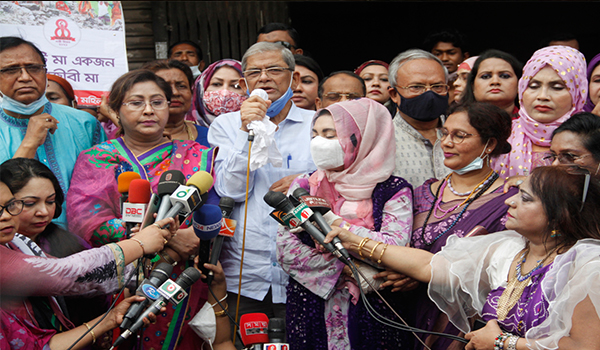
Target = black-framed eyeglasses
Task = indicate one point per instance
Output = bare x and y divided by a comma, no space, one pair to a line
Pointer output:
31,69
418,89
563,158
286,45
14,207
456,136
271,72
337,96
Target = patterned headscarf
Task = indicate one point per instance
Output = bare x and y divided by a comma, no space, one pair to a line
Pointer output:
366,134
589,105
570,66
66,86
370,63
199,110
468,63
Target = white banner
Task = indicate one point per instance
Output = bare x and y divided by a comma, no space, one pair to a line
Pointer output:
83,41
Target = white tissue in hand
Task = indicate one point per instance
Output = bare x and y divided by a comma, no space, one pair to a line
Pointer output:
264,149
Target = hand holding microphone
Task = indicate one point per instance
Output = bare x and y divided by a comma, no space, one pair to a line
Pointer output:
254,108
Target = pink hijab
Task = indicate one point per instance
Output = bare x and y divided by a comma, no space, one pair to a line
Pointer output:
570,65
366,133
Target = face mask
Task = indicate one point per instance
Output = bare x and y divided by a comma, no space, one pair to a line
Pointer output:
205,324
195,71
476,164
327,154
277,106
425,107
18,107
223,101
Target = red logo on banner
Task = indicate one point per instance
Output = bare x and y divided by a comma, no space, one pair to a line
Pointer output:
61,27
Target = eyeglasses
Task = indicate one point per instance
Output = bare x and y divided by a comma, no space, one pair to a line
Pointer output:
14,207
272,72
336,96
31,69
456,137
418,89
563,158
286,45
156,105
577,170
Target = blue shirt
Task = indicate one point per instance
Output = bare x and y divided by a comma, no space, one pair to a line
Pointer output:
261,270
77,131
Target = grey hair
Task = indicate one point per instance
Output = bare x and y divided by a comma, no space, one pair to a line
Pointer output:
409,55
265,46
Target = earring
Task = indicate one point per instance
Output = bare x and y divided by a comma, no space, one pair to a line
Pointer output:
489,150
513,203
555,234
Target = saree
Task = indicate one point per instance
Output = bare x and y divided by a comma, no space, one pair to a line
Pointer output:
95,215
488,211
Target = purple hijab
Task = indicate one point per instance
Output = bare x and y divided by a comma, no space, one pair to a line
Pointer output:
589,105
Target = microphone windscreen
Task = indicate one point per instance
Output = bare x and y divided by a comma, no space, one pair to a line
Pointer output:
260,93
139,191
207,221
169,181
124,180
202,180
254,328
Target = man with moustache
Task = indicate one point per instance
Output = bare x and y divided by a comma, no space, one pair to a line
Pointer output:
270,67
419,89
340,86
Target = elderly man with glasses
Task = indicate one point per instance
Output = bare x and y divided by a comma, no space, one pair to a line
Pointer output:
32,127
418,86
340,86
270,67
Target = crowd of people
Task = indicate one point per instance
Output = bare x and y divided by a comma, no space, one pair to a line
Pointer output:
466,189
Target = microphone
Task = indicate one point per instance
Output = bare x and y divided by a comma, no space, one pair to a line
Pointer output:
123,182
254,330
262,94
277,335
298,216
170,291
319,206
147,289
227,230
207,224
187,198
134,209
168,183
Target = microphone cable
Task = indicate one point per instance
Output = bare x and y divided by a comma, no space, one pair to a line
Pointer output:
237,305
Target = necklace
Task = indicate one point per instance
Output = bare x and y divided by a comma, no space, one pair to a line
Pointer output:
467,202
447,182
465,193
189,130
517,283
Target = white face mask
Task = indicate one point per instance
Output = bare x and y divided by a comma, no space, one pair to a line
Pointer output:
326,153
476,164
205,324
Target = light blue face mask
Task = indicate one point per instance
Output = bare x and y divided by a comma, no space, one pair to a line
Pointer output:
476,164
277,106
24,109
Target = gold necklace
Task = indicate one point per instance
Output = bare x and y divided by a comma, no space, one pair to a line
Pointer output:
189,130
515,287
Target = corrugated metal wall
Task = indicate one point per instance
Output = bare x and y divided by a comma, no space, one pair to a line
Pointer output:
224,29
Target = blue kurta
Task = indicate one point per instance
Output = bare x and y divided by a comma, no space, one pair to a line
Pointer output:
77,131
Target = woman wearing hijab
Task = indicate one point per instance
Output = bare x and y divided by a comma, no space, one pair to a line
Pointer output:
593,75
353,148
217,92
553,87
462,73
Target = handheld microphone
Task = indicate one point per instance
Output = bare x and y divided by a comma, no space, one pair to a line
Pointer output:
123,182
135,208
319,207
207,224
276,335
262,94
297,216
168,183
187,198
147,289
170,291
227,229
254,330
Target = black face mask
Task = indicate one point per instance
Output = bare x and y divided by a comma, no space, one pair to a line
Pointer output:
425,107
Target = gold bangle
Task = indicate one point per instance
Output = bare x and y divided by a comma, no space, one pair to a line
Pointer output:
141,244
361,245
91,332
373,250
382,251
222,312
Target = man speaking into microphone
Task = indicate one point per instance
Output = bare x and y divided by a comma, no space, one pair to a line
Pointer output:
270,67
